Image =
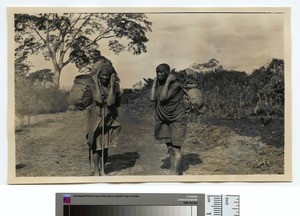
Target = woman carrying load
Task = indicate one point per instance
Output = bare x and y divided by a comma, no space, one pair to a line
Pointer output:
102,123
170,121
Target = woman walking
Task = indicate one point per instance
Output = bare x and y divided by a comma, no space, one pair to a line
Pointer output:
170,121
103,124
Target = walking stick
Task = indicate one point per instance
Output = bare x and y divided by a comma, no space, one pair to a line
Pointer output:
103,138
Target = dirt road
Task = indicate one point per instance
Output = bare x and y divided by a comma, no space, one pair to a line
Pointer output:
55,145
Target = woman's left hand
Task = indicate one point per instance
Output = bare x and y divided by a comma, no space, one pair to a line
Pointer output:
171,78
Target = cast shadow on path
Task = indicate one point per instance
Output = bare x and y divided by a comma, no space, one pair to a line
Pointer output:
187,160
119,162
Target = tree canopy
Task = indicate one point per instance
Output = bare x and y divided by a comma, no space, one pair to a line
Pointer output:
74,37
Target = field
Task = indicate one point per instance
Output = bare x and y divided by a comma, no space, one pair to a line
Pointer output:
55,145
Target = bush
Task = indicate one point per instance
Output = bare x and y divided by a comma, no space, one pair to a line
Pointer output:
35,99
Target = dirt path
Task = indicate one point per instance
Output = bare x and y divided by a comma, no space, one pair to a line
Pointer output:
141,153
55,145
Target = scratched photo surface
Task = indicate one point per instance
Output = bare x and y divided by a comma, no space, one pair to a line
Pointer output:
229,94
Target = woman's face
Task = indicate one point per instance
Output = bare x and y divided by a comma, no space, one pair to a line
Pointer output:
104,76
161,75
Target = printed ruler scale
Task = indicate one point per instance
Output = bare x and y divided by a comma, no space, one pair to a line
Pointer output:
222,205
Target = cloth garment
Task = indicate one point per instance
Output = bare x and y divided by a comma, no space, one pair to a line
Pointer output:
170,121
98,108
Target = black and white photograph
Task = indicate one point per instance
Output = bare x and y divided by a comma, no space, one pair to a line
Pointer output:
149,95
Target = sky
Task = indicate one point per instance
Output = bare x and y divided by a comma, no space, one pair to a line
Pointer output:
241,41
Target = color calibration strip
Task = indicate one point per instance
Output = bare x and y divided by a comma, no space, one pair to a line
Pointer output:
104,210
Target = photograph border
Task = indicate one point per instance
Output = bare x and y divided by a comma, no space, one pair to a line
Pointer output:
286,177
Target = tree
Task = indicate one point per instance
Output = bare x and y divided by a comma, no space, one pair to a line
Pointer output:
268,82
24,100
34,92
74,37
42,77
213,65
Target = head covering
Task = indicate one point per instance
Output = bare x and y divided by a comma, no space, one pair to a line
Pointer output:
100,65
96,69
165,67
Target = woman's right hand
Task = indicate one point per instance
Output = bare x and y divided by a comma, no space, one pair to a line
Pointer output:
112,81
154,83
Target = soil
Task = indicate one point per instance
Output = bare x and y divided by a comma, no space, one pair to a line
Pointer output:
55,145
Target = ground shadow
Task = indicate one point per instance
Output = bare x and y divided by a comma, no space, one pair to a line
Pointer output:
20,166
121,161
187,160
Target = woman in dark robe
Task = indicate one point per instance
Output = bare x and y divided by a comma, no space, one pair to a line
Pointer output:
170,121
103,112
